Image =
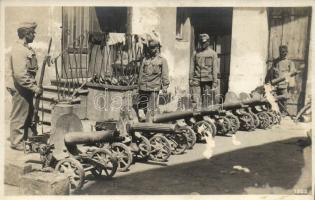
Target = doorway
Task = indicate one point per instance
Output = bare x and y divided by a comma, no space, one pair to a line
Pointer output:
217,23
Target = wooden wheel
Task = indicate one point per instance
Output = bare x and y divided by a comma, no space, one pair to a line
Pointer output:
144,148
110,164
264,120
161,148
235,123
74,171
190,135
123,155
204,129
247,121
224,125
178,142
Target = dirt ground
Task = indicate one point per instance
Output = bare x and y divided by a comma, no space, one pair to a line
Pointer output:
272,161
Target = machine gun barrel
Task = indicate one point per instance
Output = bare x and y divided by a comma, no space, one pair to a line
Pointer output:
71,139
151,127
74,138
167,117
213,109
280,79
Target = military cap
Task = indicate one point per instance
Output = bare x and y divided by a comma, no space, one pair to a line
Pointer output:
204,37
27,25
283,48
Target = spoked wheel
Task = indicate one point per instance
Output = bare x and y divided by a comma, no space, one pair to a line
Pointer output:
235,123
272,117
278,117
109,164
224,125
256,120
247,121
213,126
123,155
161,148
74,171
204,129
144,148
264,120
178,142
190,135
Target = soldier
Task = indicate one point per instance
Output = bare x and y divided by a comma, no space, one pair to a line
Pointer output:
203,76
22,86
281,67
153,77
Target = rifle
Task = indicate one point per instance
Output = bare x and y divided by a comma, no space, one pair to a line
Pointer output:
40,84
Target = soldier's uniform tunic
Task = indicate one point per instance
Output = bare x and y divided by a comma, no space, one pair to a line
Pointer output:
22,83
280,68
203,75
153,76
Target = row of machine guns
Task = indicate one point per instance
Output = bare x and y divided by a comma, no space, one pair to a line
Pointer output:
115,145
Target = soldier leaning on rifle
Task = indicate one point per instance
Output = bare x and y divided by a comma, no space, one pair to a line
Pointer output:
153,77
22,85
281,67
203,76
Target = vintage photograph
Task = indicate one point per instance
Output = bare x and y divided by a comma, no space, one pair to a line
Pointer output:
131,100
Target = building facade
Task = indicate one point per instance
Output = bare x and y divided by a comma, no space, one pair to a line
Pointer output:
246,40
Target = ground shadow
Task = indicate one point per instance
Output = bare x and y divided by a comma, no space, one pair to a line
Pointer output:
278,164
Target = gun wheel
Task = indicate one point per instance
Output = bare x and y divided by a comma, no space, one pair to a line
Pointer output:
178,142
160,148
247,121
224,125
264,120
256,120
204,129
278,117
190,135
74,171
213,126
273,117
144,148
109,164
235,123
123,155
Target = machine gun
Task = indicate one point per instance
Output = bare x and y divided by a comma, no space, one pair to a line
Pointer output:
261,90
35,119
76,160
246,114
154,141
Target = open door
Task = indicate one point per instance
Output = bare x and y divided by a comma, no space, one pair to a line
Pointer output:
291,27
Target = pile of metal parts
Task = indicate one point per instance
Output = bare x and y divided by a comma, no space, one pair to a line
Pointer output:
115,145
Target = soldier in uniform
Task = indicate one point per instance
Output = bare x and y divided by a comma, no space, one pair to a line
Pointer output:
203,75
153,77
281,67
22,85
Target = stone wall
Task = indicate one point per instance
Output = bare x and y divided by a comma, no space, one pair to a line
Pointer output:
177,53
249,49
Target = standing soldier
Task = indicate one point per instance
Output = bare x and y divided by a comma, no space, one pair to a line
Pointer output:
23,68
281,67
153,77
203,76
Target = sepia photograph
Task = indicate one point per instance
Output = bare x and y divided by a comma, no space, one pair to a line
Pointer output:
123,99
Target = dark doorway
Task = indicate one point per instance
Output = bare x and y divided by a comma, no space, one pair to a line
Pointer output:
217,23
